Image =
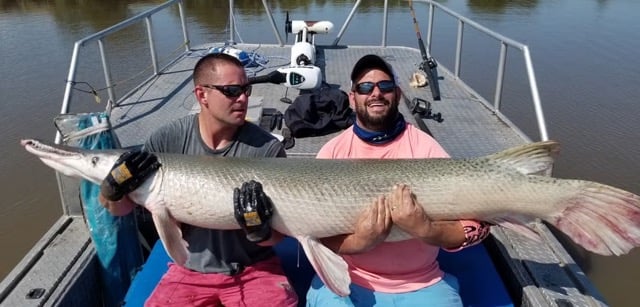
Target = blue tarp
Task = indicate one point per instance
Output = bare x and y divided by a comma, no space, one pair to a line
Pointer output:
115,238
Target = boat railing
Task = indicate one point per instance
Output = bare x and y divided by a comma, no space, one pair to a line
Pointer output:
99,38
503,41
146,17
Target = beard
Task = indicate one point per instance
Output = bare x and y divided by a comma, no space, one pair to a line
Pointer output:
377,121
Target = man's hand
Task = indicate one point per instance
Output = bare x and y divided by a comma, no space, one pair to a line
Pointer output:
373,225
253,210
407,213
128,173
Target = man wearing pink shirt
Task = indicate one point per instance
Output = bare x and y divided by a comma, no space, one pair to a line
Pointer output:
403,273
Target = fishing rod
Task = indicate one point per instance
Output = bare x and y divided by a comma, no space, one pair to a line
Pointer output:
428,65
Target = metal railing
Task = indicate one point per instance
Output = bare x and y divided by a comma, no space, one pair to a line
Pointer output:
503,41
99,37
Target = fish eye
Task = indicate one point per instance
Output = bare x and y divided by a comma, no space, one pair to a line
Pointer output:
94,161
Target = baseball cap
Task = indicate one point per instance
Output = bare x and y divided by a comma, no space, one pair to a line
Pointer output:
368,62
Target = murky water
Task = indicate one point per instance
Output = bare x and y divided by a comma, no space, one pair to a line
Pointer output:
584,54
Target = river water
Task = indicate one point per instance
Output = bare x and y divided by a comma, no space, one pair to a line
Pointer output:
584,54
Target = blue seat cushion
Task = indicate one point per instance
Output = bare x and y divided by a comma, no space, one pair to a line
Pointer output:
480,284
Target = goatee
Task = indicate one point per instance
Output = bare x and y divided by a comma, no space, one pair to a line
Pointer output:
378,122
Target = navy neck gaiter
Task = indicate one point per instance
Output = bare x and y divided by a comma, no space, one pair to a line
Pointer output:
381,137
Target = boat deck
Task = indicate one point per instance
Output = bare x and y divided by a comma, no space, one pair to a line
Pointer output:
469,129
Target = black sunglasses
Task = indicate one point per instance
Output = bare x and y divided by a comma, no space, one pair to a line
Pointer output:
365,88
231,91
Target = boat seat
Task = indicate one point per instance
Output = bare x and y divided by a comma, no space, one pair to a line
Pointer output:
480,284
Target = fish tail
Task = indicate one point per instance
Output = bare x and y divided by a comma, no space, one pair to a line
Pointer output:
601,218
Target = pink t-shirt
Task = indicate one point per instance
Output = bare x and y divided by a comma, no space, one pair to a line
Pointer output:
391,267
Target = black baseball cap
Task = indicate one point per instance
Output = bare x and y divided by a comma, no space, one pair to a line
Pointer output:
368,62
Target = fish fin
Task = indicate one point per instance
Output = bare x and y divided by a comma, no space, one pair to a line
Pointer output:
329,266
532,158
170,235
601,218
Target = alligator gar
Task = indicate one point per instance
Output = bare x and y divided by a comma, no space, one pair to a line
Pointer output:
320,198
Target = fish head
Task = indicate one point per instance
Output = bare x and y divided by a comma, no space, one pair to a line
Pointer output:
92,165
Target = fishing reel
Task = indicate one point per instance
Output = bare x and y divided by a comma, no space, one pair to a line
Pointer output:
422,109
303,51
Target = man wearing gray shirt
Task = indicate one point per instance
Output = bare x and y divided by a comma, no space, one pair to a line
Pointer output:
224,267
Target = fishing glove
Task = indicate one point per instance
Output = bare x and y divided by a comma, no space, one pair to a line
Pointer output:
128,173
253,210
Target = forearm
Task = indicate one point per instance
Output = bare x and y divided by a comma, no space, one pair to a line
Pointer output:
411,217
346,244
121,207
446,234
275,238
455,235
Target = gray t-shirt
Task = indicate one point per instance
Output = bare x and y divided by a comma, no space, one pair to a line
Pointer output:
217,251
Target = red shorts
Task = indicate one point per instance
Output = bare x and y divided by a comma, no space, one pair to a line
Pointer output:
262,284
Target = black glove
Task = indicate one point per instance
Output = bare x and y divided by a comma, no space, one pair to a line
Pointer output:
128,173
253,210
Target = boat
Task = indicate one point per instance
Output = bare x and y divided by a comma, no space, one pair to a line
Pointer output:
507,269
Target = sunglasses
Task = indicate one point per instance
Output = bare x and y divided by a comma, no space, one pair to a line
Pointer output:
231,91
365,88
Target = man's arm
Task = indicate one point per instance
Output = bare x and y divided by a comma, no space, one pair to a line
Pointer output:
120,207
274,239
411,217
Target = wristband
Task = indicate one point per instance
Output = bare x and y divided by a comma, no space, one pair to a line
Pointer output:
474,232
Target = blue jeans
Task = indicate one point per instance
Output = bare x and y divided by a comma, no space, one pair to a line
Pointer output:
442,293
